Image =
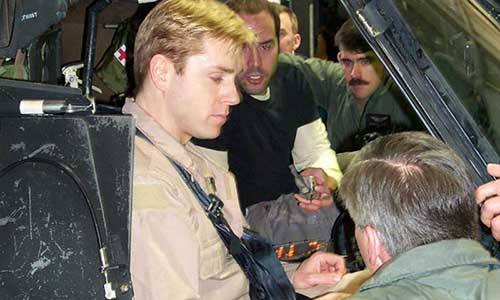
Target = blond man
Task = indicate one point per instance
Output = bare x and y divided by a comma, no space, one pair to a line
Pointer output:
186,62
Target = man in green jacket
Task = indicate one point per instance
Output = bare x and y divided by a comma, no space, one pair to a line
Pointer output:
360,99
411,199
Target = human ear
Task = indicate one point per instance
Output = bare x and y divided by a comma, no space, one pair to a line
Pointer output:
339,56
296,43
161,70
377,255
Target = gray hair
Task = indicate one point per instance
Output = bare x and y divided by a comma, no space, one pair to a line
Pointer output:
413,189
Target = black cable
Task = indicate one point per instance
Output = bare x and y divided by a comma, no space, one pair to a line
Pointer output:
68,171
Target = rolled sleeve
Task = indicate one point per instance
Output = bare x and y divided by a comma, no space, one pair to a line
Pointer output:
312,149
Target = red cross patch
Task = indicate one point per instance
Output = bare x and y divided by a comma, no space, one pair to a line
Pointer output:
121,54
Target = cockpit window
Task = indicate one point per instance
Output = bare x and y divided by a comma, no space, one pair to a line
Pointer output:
462,40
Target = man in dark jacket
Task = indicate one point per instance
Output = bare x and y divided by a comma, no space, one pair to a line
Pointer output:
275,125
411,199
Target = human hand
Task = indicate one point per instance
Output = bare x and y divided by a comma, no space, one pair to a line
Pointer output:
488,195
323,186
320,268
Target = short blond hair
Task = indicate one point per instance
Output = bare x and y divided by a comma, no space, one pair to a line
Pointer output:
177,29
293,17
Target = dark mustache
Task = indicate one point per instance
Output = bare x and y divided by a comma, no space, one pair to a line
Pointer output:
253,70
357,81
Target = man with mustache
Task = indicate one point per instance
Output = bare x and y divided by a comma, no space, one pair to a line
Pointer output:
361,100
277,124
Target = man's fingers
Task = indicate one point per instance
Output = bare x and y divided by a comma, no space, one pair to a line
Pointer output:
322,278
306,203
486,191
306,280
314,204
489,189
319,175
490,210
495,228
322,189
309,207
493,169
330,263
339,267
323,202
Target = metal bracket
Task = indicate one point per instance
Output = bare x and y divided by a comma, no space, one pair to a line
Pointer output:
373,18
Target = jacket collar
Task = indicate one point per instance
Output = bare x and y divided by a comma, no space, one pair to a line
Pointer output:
159,137
429,258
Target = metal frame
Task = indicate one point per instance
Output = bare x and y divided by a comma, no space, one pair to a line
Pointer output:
420,80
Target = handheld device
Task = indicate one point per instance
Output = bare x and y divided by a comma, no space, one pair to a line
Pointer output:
305,184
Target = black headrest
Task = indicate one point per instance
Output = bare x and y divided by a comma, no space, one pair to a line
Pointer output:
22,21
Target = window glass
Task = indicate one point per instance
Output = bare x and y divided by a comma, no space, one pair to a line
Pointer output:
463,42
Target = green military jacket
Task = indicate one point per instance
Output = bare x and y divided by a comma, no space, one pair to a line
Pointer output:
447,270
344,120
